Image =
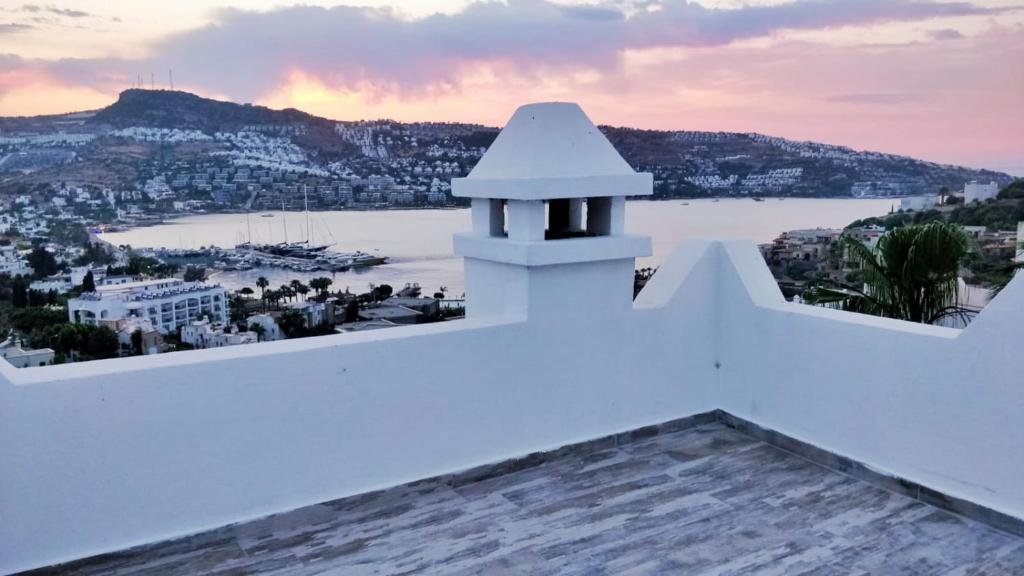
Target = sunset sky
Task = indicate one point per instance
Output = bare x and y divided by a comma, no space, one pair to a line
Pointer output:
940,80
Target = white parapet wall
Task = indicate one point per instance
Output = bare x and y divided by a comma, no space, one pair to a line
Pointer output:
938,406
109,454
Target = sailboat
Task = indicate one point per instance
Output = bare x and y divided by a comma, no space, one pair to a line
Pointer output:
304,249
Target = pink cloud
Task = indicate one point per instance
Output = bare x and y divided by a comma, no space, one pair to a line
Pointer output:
949,98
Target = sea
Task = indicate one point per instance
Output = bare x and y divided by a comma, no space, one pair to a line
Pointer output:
418,243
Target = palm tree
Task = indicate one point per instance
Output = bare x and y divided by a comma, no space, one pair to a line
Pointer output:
286,292
260,331
262,284
299,288
320,284
1011,269
913,274
272,296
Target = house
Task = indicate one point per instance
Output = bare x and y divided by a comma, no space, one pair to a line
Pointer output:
391,313
977,192
20,357
204,334
429,308
918,203
152,342
314,313
268,325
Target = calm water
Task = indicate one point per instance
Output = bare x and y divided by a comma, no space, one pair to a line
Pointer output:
419,242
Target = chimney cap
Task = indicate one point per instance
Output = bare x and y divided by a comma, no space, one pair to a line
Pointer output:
551,150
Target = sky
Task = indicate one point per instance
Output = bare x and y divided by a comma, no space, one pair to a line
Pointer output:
941,80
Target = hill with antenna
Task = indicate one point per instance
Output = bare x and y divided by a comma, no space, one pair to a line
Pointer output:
187,111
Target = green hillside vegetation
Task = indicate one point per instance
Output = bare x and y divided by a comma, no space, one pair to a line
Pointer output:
999,214
1002,213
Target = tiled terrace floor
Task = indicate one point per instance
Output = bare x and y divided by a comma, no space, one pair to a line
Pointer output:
708,500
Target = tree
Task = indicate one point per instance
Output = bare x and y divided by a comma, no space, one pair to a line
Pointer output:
292,324
352,311
286,292
36,298
382,292
320,284
101,343
19,292
42,262
913,274
237,310
137,342
195,274
273,296
246,292
88,283
260,331
302,289
262,284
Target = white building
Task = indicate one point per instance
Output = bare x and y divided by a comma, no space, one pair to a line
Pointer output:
918,203
24,358
152,342
12,264
205,334
977,192
271,331
314,313
168,303
63,283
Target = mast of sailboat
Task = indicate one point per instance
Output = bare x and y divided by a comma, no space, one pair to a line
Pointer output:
305,200
284,220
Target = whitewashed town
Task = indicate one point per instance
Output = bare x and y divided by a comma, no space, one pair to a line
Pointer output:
72,302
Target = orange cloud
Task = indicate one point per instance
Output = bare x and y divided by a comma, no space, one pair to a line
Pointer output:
27,92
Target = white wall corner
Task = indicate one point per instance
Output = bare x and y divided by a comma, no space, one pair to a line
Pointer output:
746,260
6,373
675,272
1002,319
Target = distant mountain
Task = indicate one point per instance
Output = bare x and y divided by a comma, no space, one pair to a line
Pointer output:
185,111
163,142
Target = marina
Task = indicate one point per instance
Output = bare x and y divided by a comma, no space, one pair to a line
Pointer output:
417,243
294,257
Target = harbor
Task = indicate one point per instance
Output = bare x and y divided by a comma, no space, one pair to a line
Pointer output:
296,257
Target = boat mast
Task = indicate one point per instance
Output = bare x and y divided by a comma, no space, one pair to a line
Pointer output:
305,200
284,220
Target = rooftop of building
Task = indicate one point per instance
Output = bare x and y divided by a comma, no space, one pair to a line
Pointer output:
140,285
703,500
147,289
868,444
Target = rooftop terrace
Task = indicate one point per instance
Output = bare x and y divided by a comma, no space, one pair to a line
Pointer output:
703,500
258,443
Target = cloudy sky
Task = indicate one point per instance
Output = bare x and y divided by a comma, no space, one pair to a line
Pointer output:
938,79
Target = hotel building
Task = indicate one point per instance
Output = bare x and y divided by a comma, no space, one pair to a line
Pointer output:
168,303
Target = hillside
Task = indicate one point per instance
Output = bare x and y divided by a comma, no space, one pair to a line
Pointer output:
155,151
185,111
